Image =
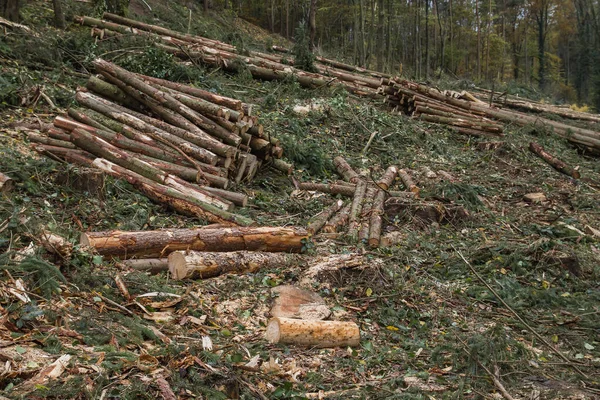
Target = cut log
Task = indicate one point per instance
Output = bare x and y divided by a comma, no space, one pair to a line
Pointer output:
345,170
283,166
388,177
182,202
112,92
6,183
317,223
375,219
343,188
152,244
356,208
338,221
190,174
78,157
409,184
313,333
106,108
103,149
557,164
239,199
35,138
152,265
202,265
196,92
365,219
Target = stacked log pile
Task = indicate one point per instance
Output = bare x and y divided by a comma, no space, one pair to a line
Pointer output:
359,218
179,145
218,54
471,116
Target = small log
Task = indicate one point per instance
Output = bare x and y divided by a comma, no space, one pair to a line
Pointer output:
375,219
365,220
6,183
283,166
338,220
313,333
35,138
152,244
317,223
202,265
58,134
387,179
356,208
343,188
345,170
557,164
152,265
408,182
239,199
56,244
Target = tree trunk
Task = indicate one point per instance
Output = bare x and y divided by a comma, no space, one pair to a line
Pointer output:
59,16
313,333
312,24
380,44
9,9
387,179
202,265
557,164
409,184
363,233
150,244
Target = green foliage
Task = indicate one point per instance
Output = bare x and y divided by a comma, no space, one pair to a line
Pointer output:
40,275
303,57
153,61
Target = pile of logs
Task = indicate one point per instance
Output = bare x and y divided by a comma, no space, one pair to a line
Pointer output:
222,55
361,217
471,116
177,144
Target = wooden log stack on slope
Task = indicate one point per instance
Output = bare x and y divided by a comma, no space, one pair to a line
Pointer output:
218,54
177,144
478,118
362,218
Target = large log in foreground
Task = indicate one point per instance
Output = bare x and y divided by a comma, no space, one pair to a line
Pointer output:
313,333
152,244
202,265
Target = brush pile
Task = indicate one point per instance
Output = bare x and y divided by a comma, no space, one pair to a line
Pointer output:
177,144
266,66
469,115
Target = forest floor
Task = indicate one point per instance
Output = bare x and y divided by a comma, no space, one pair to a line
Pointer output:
509,292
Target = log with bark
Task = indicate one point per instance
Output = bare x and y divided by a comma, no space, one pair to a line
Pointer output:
151,265
345,170
319,221
375,219
344,189
202,265
365,218
409,184
312,333
338,221
152,244
557,164
356,208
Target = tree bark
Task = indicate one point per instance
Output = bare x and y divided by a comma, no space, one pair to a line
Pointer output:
356,208
365,220
312,24
557,164
152,265
59,16
375,220
338,221
106,108
151,244
387,179
179,201
202,265
313,333
319,221
345,170
409,184
101,148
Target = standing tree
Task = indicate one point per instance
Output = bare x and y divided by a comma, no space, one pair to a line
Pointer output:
312,24
9,9
59,16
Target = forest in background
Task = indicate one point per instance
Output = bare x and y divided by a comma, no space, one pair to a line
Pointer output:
549,45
